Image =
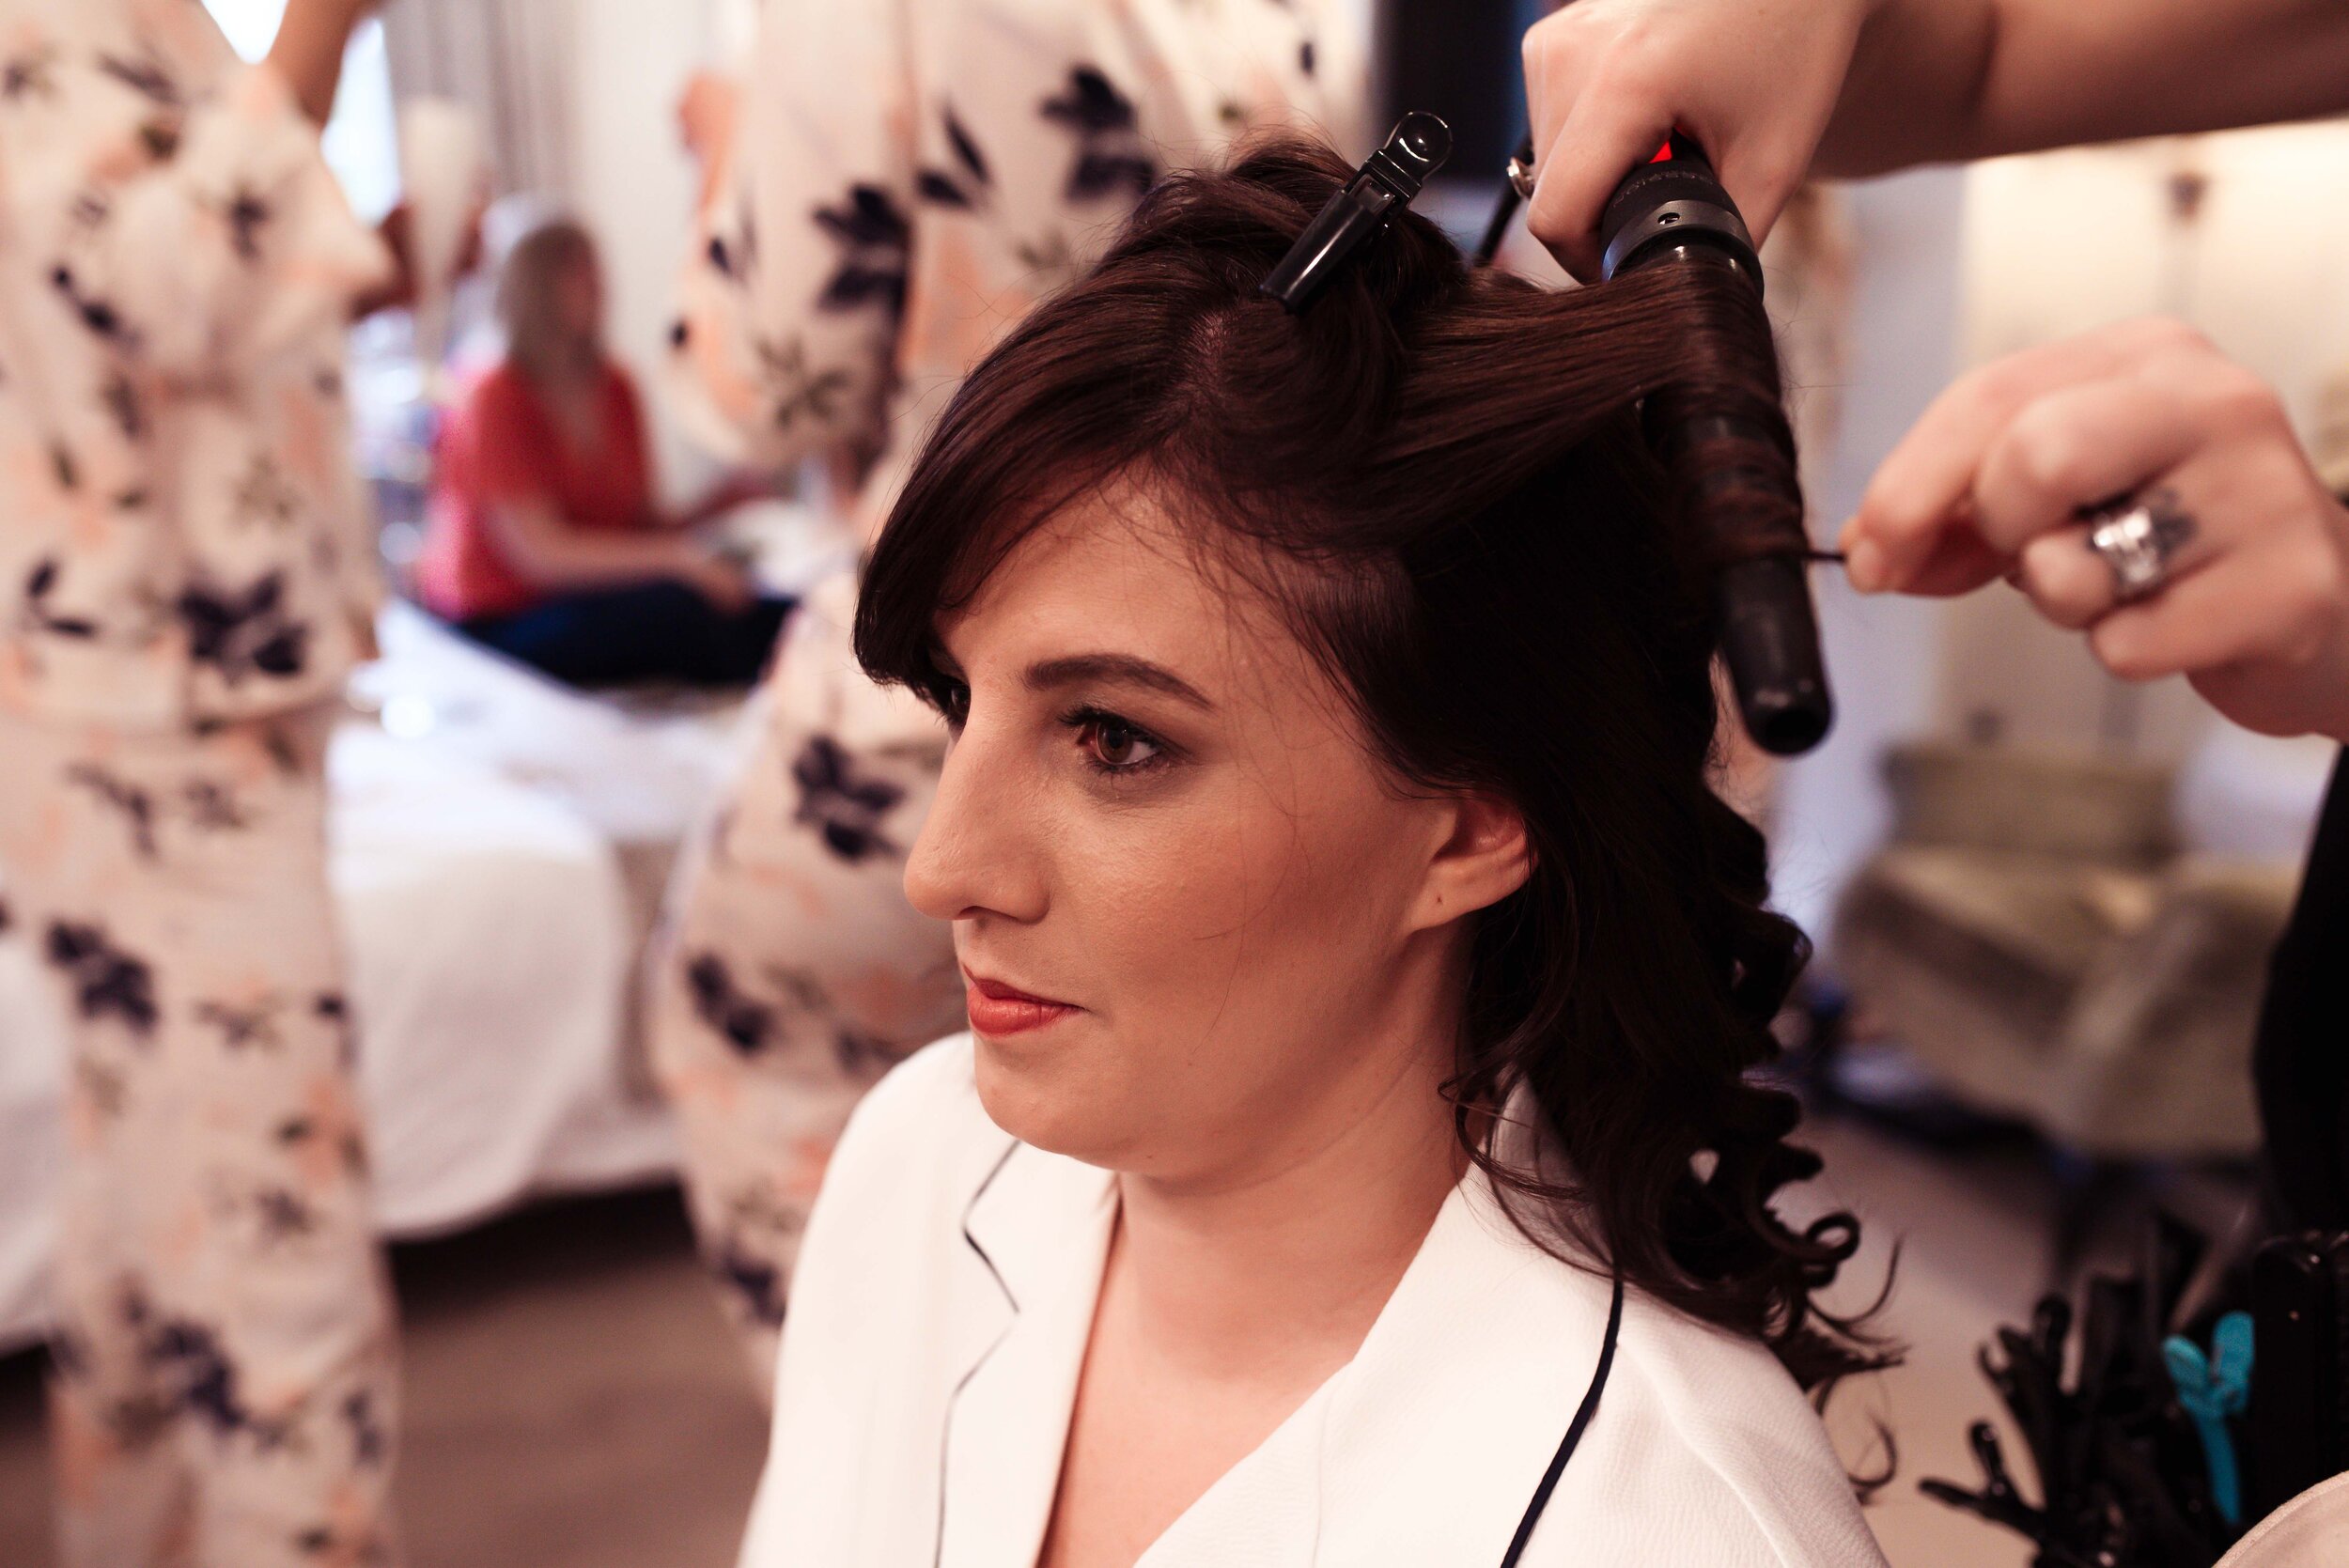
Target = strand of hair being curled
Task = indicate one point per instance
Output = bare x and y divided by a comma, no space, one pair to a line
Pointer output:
1441,475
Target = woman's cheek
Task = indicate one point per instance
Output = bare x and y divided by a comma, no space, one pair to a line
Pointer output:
1166,897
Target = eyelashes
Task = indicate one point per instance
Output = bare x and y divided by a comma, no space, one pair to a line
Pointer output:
1111,743
1113,747
950,699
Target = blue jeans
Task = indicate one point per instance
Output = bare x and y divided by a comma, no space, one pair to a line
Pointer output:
646,633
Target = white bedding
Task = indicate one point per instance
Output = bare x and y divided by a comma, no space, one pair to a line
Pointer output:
496,844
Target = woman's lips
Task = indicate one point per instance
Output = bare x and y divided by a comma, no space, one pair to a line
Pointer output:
998,1009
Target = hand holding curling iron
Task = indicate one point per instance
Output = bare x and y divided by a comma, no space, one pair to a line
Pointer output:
2133,482
2141,488
1607,80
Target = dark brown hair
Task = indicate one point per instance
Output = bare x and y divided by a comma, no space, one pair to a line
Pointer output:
1445,471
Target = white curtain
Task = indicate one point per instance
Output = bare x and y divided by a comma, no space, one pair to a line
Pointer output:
510,61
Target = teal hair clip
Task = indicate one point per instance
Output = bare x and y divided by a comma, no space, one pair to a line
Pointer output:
2211,1389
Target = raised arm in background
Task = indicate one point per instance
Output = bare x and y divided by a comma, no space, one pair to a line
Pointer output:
310,47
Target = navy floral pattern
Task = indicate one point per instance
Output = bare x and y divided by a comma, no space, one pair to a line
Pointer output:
842,801
224,1331
182,537
926,171
965,183
244,632
107,982
875,238
1112,159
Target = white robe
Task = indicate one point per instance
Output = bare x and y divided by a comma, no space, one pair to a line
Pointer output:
938,1322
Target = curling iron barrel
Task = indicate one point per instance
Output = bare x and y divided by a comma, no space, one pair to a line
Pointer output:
1673,212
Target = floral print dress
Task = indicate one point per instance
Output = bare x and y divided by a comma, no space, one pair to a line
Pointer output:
185,541
184,571
910,179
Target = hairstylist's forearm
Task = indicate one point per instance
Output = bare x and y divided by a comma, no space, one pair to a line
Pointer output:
308,51
1776,88
1935,80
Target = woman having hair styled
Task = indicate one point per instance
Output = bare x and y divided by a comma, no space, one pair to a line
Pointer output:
545,540
908,182
1354,1158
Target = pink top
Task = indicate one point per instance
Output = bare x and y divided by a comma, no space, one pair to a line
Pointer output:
500,446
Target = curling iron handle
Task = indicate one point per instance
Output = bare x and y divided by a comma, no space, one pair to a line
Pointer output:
1771,640
1673,202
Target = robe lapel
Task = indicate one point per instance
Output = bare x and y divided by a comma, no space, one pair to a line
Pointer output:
1444,1423
1036,1238
1428,1446
1266,1511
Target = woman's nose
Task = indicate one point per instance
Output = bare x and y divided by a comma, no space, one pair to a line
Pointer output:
976,855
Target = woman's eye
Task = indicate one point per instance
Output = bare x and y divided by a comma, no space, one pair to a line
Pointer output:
952,699
1118,747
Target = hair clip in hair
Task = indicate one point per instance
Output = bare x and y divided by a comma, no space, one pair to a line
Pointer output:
1415,149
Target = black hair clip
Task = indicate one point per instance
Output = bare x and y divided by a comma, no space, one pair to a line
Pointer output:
1415,149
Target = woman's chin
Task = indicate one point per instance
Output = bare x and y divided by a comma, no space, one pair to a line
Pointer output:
1046,1098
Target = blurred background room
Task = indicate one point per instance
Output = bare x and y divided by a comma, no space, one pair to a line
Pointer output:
2043,900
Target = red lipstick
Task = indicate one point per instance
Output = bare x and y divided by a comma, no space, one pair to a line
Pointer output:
997,1009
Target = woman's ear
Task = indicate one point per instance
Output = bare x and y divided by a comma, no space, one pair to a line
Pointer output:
1482,859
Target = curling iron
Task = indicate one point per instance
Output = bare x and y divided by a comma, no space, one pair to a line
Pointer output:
1673,212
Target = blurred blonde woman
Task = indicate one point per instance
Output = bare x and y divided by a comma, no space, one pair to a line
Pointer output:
546,541
186,575
895,187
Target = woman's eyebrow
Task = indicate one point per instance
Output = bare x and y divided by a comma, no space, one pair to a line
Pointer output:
1054,673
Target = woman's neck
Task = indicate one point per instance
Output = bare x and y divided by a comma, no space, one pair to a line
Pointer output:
1287,1265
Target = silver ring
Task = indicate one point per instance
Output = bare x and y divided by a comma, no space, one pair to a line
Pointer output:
1521,178
2138,537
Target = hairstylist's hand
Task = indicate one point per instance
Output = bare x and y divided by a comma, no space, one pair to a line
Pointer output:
2255,609
1755,82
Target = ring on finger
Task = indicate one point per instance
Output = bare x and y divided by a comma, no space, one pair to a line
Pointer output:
2138,537
1521,178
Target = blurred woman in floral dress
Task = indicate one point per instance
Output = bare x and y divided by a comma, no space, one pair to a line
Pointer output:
185,578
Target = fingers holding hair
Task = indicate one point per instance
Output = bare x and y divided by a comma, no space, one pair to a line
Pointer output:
1939,519
2277,603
